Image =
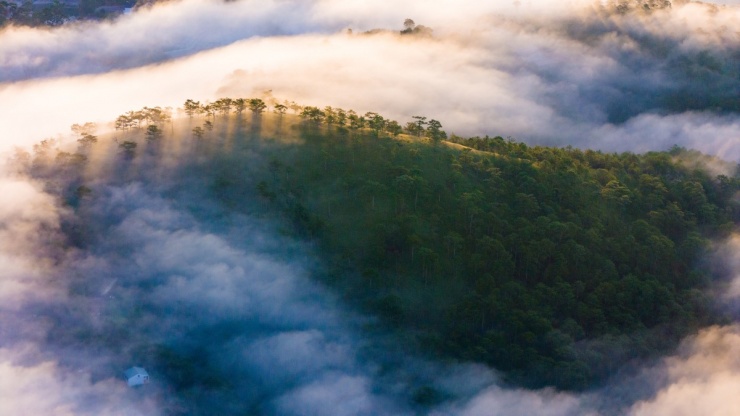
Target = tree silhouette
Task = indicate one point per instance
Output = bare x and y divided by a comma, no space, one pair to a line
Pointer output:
198,132
280,109
408,26
257,106
191,107
239,105
434,130
128,148
153,133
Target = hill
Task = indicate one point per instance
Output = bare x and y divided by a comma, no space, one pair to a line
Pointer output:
556,266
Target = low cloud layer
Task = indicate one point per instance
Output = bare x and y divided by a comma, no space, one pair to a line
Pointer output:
177,29
232,328
157,285
543,72
702,378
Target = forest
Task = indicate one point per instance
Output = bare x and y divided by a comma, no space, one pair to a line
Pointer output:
59,12
556,266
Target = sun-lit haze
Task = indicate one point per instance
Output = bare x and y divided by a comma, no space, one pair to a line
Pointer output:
561,73
528,71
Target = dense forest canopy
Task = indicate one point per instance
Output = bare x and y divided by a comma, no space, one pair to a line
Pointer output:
554,265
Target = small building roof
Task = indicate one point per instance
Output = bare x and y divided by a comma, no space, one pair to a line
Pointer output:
135,371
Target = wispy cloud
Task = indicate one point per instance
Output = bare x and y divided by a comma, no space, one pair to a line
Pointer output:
702,378
157,275
540,73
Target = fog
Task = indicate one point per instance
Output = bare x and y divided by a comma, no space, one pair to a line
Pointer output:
542,72
157,289
151,281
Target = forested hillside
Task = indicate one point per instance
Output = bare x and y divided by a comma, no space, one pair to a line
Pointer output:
554,265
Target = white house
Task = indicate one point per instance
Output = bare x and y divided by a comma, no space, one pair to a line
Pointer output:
136,376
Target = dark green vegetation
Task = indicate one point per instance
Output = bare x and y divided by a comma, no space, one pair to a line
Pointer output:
59,12
555,266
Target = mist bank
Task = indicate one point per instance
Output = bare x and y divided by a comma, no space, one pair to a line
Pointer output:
225,323
92,286
175,29
544,72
